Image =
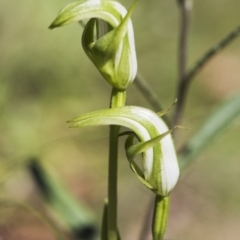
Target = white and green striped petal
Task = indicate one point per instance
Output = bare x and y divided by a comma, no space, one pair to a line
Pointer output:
160,165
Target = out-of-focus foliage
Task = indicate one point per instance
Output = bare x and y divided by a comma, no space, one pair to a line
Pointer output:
212,127
46,79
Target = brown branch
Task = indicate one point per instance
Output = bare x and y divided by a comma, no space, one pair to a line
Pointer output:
189,76
185,8
211,53
148,93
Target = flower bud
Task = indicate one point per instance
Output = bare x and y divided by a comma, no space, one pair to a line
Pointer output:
114,53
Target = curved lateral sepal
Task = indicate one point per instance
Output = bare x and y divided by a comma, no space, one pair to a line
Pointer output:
139,174
133,150
144,146
134,167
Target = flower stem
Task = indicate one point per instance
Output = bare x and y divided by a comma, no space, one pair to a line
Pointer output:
117,100
160,217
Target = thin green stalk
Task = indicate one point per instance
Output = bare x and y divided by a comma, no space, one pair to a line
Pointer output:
112,183
117,100
104,230
160,217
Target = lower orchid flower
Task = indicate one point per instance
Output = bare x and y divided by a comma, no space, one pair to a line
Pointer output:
160,171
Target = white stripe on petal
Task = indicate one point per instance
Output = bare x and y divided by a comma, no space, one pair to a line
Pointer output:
147,125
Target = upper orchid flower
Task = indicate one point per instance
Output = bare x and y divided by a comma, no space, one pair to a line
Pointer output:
114,53
160,166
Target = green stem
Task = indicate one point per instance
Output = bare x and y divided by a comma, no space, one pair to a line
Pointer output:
160,217
117,100
104,230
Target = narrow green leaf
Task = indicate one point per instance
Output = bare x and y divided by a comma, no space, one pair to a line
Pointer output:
211,128
34,211
72,213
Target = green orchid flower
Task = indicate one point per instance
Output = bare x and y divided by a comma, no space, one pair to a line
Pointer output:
160,171
114,53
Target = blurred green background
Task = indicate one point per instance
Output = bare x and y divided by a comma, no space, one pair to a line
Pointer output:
46,79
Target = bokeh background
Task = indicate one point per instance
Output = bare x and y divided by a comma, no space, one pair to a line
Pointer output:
46,79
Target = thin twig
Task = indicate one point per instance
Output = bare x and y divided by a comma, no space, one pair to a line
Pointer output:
148,93
185,8
187,79
211,53
183,38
